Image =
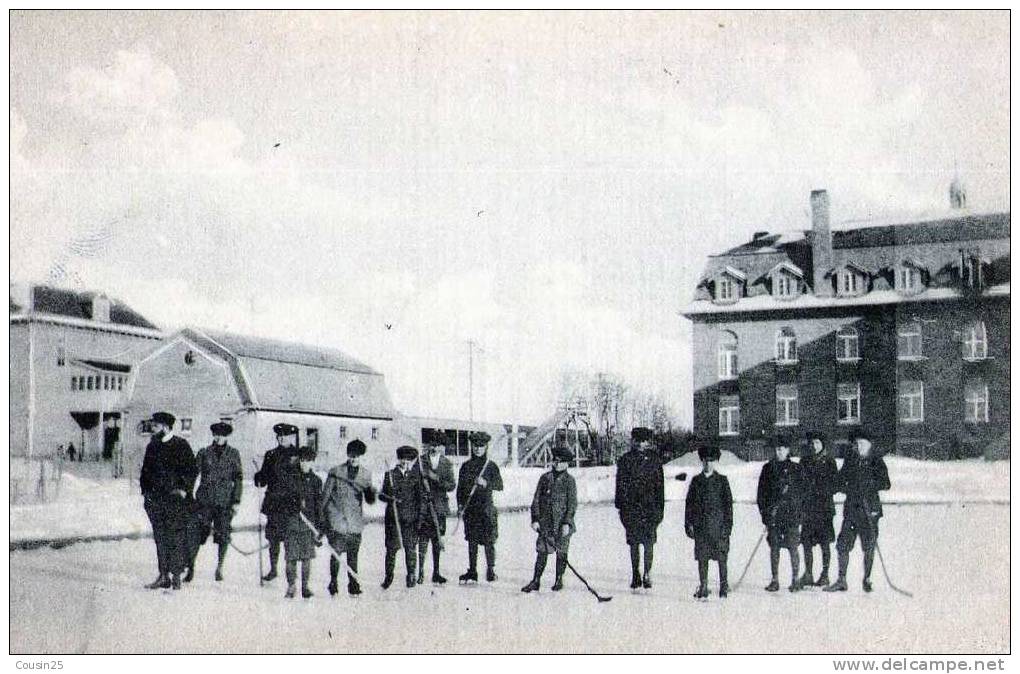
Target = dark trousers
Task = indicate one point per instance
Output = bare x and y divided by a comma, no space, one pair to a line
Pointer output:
543,557
349,545
490,556
635,558
853,526
723,571
409,537
169,521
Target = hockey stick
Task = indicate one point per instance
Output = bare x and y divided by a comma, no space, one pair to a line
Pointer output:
333,551
259,516
249,553
396,512
749,560
467,501
548,541
432,507
885,573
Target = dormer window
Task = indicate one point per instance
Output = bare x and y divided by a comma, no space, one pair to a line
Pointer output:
909,277
786,280
971,269
729,285
851,280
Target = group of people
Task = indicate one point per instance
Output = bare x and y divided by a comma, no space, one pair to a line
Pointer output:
302,513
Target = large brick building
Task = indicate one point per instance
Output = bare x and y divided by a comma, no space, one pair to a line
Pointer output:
898,329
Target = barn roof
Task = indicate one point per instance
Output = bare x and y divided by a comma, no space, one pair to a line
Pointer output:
291,377
78,304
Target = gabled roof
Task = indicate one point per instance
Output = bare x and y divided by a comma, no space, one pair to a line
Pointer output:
78,304
734,272
788,266
847,264
915,263
291,377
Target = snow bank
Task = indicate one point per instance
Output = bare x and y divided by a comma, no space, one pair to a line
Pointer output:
92,508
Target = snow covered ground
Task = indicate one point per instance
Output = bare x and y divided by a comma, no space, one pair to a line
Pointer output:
88,597
90,508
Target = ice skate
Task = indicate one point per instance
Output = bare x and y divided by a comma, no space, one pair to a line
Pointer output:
438,579
161,583
306,593
470,576
490,575
701,593
647,582
866,585
773,586
533,586
353,588
387,581
838,586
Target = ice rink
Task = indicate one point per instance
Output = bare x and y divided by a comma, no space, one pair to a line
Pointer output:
88,597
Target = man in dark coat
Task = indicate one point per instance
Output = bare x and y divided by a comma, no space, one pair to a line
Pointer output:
404,495
437,473
552,516
780,502
640,498
862,476
479,477
218,494
819,472
167,478
347,487
300,504
267,476
708,519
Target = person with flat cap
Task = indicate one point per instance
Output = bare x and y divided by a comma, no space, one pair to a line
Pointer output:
437,474
348,485
272,506
218,495
641,500
552,517
405,502
708,519
478,478
167,478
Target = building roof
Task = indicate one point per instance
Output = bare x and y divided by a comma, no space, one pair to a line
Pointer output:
291,377
78,304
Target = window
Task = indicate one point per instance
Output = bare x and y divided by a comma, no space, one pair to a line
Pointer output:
786,346
848,403
312,438
729,415
786,285
343,433
727,289
908,341
975,402
186,426
61,356
375,432
975,342
848,344
74,383
120,383
787,407
106,382
88,384
911,401
908,279
848,283
81,383
727,355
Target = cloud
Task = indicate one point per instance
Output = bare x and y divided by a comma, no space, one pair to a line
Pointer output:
134,86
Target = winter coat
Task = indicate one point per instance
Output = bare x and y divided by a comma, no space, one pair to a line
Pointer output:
708,515
554,504
342,496
640,491
861,480
438,482
819,475
268,477
300,494
166,467
781,494
221,477
405,499
481,521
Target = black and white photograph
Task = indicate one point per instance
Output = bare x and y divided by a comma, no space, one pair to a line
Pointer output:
445,332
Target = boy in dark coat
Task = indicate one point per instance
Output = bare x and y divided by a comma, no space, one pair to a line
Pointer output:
640,498
267,476
218,493
300,498
437,473
347,485
404,496
552,516
478,479
708,519
780,502
862,476
819,472
167,477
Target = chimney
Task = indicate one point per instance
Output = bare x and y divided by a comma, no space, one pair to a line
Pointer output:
821,242
101,308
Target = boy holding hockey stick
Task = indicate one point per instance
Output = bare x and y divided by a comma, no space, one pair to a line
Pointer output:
552,516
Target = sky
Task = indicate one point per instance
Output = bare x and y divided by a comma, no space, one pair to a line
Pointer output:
489,197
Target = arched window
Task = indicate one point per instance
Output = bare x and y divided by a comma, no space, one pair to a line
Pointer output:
727,354
848,344
975,341
908,341
786,346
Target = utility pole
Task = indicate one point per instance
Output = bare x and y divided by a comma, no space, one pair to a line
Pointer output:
471,380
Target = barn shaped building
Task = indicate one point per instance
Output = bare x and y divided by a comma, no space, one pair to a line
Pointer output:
899,329
203,376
